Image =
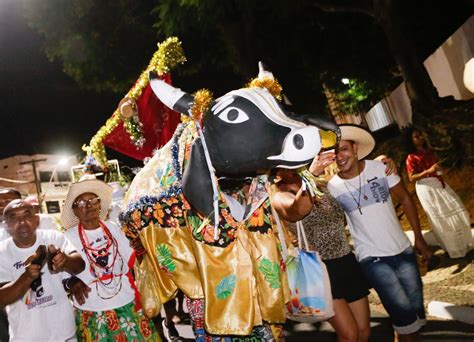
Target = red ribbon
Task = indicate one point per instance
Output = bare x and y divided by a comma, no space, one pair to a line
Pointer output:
131,262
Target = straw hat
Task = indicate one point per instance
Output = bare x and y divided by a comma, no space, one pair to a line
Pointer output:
95,186
365,141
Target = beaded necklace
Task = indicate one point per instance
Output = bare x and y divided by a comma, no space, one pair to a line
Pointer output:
357,189
106,280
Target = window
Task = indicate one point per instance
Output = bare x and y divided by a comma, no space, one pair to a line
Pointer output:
63,176
52,207
45,176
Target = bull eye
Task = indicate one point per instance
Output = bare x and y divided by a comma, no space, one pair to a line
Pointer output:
298,141
233,115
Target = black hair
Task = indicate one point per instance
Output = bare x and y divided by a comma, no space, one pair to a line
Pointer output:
408,138
4,191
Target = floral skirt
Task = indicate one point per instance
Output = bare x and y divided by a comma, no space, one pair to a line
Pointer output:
121,324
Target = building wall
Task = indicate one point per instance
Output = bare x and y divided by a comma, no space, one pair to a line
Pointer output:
12,169
446,69
446,65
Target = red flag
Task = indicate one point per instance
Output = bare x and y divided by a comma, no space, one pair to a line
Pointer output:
159,123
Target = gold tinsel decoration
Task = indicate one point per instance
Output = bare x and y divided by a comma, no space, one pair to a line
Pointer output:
202,100
168,55
272,85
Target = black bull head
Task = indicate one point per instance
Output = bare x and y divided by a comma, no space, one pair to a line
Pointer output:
246,132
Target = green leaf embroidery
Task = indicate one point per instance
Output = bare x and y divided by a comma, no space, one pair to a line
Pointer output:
226,286
271,271
195,222
168,177
164,257
266,219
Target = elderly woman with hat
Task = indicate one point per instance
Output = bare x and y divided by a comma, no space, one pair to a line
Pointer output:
106,295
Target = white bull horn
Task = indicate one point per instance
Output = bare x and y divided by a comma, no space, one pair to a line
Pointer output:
170,96
263,72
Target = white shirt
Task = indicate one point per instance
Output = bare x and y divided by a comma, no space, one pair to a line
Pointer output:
43,314
119,292
3,231
377,231
47,222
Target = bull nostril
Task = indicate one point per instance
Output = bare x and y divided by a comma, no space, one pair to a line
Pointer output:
298,141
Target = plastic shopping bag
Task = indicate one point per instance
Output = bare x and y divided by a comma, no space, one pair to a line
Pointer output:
310,289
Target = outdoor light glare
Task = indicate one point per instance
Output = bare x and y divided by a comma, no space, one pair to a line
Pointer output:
345,80
468,76
63,161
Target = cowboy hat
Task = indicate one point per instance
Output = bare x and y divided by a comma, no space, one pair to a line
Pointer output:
95,186
365,141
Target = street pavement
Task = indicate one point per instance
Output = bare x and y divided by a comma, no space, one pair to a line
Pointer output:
435,331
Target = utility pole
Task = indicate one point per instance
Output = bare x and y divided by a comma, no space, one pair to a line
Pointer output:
37,182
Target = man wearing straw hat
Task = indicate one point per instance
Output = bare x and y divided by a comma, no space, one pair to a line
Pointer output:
383,250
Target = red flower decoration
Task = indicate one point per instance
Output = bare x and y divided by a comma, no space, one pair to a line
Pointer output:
176,211
121,337
112,321
145,328
172,222
231,233
208,233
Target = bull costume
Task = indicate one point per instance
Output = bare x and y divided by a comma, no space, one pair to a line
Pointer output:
221,248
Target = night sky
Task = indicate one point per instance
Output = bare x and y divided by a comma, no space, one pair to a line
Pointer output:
41,109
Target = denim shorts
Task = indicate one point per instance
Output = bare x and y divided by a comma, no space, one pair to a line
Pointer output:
398,283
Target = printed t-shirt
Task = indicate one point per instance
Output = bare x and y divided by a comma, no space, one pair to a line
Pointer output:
377,231
44,312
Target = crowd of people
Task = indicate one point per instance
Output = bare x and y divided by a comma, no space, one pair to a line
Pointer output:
79,285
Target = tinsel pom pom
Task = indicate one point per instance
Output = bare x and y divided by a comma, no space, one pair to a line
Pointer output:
202,100
272,85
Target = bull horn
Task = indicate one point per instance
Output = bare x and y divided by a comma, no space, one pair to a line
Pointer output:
263,72
170,96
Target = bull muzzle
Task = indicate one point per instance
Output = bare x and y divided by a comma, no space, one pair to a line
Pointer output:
299,147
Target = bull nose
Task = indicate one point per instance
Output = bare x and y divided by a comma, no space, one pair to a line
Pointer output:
300,145
298,141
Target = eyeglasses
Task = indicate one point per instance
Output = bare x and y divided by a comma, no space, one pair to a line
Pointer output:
81,204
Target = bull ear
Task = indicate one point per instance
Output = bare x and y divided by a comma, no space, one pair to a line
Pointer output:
197,183
171,97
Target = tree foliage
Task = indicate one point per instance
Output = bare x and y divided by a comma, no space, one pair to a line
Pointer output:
101,44
104,44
